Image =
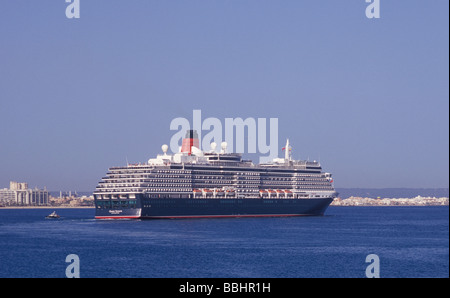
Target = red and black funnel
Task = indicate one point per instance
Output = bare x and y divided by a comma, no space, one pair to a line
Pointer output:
191,139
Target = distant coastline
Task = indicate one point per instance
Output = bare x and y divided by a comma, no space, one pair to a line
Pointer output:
392,197
351,201
347,197
397,192
417,201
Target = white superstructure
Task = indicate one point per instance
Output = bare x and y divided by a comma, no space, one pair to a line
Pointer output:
192,173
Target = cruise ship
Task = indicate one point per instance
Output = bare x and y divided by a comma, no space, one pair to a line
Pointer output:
197,184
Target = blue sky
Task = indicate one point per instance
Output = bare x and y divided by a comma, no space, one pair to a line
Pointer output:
368,97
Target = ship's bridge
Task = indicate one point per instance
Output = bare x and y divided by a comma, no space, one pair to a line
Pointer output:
234,157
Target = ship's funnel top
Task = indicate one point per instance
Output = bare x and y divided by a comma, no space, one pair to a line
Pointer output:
191,134
189,141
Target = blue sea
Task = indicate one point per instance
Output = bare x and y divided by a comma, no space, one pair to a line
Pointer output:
409,242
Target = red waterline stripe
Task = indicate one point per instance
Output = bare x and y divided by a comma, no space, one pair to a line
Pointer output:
117,217
203,216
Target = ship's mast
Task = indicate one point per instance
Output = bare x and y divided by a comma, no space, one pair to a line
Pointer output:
287,151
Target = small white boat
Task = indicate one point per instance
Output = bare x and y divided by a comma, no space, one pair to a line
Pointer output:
53,215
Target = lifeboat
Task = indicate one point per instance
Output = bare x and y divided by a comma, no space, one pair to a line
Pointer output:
229,192
263,193
289,193
219,192
207,192
197,192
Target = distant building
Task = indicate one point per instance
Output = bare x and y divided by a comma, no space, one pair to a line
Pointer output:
20,194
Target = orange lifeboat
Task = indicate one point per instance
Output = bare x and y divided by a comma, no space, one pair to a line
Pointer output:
219,192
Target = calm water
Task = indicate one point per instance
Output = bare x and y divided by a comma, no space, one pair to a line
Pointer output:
410,242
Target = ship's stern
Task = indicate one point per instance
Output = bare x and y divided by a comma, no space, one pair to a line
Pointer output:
117,207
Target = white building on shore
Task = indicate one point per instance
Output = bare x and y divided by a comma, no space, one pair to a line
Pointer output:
20,194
